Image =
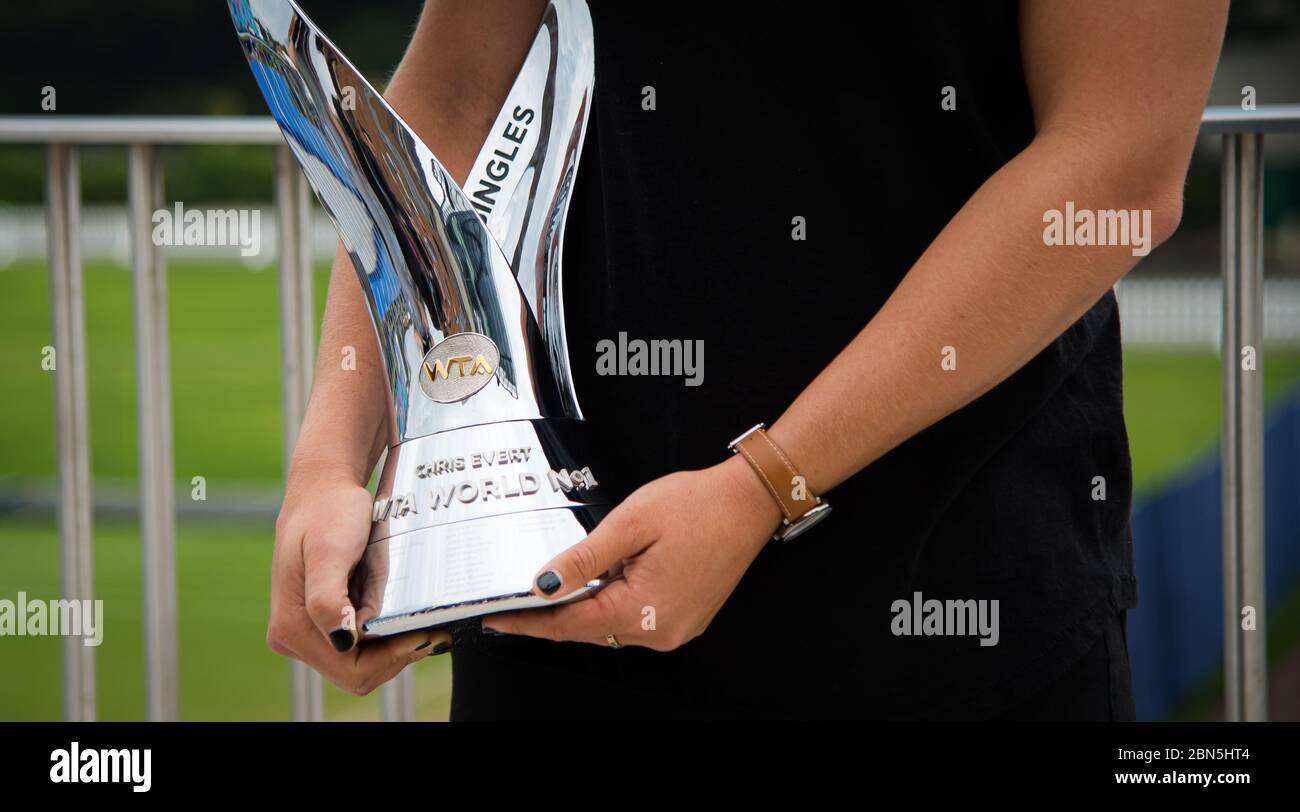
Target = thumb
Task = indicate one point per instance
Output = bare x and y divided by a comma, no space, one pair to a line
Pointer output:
620,535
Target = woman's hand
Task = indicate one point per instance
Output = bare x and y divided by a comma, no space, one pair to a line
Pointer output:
320,536
683,542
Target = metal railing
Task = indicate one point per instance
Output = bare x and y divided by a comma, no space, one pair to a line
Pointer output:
1243,405
142,137
1245,660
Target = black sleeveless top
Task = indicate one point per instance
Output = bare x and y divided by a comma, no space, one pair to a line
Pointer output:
681,228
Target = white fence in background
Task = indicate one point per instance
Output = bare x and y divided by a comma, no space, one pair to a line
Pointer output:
1187,312
106,237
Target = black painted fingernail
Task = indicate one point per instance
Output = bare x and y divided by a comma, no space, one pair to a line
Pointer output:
548,582
343,639
423,645
441,648
490,632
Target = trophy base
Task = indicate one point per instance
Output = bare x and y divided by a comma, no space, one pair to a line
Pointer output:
441,575
466,519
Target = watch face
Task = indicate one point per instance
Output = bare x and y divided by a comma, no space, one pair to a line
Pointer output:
804,522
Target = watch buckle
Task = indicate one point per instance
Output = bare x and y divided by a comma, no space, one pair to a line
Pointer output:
732,445
790,529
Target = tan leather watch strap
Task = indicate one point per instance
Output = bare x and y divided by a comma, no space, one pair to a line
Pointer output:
777,473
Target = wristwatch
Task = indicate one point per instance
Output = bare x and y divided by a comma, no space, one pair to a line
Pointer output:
800,508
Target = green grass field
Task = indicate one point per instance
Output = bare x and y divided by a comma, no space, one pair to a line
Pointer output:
227,672
226,396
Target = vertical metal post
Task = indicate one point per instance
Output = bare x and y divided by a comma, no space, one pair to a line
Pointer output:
297,334
1244,652
397,697
154,426
63,226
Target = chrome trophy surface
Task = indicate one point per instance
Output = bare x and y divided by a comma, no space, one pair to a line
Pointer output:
490,472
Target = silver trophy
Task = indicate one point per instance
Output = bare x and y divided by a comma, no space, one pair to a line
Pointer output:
490,474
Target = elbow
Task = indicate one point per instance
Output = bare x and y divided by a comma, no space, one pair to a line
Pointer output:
1166,207
1152,175
1153,220
1155,206
1150,179
1142,178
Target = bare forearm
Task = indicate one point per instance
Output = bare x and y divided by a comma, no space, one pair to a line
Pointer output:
448,88
345,428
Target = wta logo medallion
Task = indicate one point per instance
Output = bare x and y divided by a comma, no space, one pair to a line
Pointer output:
459,366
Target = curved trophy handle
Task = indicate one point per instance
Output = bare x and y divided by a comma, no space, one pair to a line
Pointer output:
429,267
522,178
